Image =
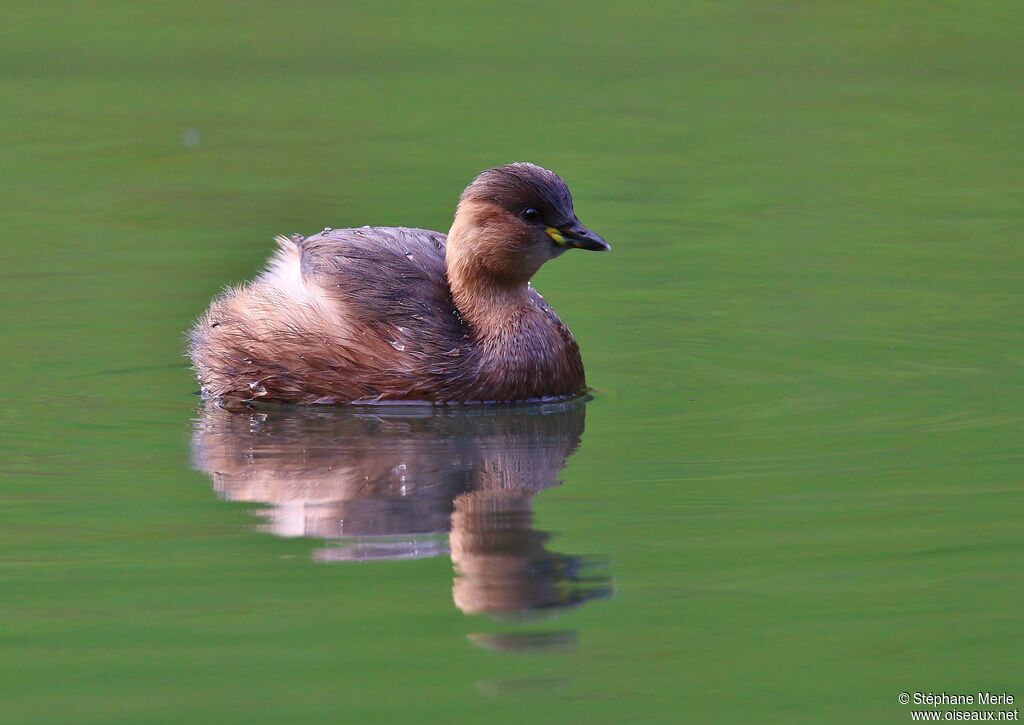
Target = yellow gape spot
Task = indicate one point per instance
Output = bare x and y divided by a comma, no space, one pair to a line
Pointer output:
556,236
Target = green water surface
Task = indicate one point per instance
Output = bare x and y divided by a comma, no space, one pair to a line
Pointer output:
802,467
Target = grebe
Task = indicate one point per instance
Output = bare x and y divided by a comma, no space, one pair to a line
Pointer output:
394,314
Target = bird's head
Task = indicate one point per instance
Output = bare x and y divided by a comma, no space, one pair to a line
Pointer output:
512,219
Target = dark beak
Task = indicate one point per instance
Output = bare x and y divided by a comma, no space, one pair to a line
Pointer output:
577,236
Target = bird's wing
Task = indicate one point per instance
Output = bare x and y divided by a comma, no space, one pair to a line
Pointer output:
391,279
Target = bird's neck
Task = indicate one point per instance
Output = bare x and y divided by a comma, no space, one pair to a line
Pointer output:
493,307
495,311
523,350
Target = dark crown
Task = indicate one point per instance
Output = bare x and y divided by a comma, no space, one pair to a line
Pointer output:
520,186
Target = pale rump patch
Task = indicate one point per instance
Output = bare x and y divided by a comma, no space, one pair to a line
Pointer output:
284,273
280,298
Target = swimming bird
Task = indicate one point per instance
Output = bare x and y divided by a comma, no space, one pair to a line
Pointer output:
379,314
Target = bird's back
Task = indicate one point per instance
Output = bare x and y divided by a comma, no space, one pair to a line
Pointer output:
340,316
393,278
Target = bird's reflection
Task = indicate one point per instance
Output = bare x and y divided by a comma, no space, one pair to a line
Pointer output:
401,483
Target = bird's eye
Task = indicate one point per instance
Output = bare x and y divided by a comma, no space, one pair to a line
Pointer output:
532,215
